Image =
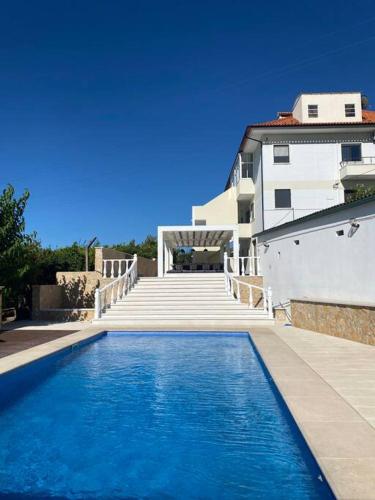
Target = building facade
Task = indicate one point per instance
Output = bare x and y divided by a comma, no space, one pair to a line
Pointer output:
304,161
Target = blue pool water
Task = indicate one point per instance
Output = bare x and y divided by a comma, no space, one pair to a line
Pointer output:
151,416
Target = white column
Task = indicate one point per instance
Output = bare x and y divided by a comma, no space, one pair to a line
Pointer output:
166,257
160,253
170,250
236,252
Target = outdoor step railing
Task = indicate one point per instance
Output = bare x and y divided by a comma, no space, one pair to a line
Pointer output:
113,268
116,290
247,266
233,287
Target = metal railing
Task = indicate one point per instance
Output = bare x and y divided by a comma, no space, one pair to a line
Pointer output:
365,160
233,287
113,268
247,266
116,290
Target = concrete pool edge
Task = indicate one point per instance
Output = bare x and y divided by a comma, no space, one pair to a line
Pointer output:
341,440
323,417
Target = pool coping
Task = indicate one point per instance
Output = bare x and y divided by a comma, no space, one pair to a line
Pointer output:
341,440
324,418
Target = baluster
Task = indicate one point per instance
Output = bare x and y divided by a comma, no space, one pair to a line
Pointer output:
251,301
98,311
238,292
104,268
269,296
111,268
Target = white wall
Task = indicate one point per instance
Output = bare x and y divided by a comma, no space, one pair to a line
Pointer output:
323,265
312,175
220,210
331,107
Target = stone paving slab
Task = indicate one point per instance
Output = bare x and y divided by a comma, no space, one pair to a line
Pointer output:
340,436
347,366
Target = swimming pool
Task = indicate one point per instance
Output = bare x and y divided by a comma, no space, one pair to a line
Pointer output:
151,416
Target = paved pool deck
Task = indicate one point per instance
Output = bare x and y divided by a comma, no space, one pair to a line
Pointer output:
328,384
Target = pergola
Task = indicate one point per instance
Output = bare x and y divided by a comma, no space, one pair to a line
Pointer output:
172,237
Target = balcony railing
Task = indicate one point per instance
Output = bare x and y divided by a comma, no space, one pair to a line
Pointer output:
365,160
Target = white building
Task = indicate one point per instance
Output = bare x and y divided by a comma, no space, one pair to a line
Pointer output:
305,160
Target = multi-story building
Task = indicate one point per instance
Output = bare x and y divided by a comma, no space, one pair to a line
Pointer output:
303,161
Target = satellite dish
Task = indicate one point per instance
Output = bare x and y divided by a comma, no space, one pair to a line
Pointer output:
364,100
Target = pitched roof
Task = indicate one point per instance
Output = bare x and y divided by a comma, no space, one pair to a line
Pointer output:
288,120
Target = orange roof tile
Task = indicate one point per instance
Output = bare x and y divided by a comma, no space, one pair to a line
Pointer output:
290,121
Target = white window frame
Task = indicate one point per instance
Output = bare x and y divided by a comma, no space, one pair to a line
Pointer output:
313,111
273,153
349,110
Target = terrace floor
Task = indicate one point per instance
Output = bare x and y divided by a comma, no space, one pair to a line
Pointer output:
21,335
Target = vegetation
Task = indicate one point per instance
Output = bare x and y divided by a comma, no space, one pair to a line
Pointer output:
148,248
24,262
361,191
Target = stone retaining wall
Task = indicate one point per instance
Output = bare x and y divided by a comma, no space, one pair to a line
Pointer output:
244,290
349,321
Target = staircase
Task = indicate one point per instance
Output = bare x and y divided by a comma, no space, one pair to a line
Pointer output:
184,301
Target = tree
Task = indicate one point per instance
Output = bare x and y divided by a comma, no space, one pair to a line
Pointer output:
148,248
17,249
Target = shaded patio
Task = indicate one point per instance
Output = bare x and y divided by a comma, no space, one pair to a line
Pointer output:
202,239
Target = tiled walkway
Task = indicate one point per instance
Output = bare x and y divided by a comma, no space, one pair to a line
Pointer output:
328,384
348,367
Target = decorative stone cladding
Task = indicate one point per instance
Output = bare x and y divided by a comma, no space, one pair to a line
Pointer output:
349,321
244,290
73,297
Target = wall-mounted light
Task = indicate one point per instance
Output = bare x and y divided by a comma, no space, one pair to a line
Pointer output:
266,245
354,224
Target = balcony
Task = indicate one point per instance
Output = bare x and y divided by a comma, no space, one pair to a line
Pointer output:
245,189
363,169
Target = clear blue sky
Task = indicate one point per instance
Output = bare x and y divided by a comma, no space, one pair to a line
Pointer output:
119,116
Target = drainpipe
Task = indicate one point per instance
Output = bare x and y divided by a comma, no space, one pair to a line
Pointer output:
261,173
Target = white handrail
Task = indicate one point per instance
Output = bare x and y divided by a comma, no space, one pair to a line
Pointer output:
116,290
230,280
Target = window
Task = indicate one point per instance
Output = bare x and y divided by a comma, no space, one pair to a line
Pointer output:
349,110
312,110
243,209
246,165
281,154
351,152
282,198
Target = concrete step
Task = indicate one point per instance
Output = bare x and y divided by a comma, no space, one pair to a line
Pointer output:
177,306
179,293
179,280
154,317
170,324
182,311
176,300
